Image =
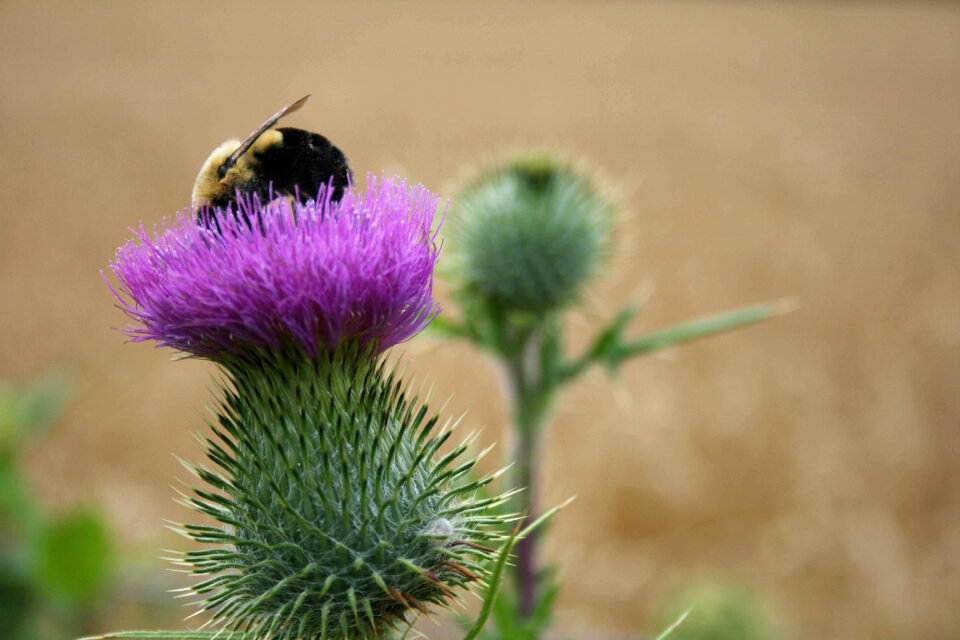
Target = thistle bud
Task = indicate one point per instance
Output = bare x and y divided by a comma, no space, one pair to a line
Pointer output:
530,234
335,511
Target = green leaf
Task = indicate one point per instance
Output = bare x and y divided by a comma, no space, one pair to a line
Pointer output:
676,623
604,345
611,350
703,327
610,337
500,568
73,556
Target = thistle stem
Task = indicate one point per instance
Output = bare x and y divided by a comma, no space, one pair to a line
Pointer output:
530,395
527,570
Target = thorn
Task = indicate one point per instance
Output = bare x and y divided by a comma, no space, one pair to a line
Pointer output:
432,576
474,545
419,607
427,574
461,570
396,595
389,621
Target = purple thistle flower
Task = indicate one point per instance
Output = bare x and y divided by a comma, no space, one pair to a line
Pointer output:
321,274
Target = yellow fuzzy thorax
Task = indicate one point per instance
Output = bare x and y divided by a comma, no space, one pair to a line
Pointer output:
208,185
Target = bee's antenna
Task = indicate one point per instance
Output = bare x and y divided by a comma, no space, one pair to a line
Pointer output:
272,120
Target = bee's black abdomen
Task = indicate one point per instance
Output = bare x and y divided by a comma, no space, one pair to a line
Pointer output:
301,164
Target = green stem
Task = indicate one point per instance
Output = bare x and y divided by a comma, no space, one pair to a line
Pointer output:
527,570
531,393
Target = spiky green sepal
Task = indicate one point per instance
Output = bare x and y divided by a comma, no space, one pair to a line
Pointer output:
337,511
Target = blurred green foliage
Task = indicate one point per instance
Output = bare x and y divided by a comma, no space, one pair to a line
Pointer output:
508,621
720,611
54,568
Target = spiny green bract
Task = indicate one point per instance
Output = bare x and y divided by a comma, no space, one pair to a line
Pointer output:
529,234
337,514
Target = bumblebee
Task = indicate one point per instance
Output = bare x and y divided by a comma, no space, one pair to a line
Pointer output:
272,162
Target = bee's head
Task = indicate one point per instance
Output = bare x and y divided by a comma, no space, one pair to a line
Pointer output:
233,165
226,171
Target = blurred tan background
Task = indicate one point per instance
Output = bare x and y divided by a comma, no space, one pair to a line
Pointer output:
767,150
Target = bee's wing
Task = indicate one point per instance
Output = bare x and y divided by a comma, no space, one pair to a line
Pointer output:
272,120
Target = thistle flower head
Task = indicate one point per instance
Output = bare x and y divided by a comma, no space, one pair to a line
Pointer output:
318,275
334,513
530,233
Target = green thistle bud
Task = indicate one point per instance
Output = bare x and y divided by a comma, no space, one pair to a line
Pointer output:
530,234
337,513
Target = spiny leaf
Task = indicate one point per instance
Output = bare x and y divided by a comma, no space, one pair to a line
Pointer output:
499,568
